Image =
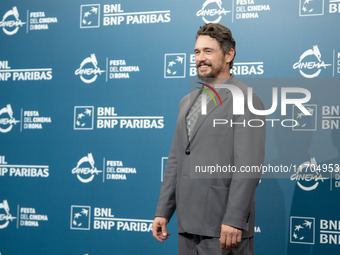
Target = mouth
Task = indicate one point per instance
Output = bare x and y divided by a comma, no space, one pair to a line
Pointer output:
203,68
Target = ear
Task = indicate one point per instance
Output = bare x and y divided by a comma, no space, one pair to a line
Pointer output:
230,55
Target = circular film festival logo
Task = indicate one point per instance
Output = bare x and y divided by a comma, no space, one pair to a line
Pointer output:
10,22
89,70
308,172
85,169
212,11
6,119
310,63
5,216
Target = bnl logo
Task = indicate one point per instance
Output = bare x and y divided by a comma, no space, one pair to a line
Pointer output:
174,65
80,217
330,118
302,230
89,16
83,118
305,122
311,7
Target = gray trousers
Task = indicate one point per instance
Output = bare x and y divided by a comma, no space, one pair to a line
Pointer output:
189,244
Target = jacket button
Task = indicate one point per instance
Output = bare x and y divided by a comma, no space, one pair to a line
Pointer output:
187,151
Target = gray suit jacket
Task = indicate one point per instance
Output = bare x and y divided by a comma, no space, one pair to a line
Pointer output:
204,203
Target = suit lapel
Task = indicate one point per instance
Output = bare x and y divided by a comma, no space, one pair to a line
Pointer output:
184,112
224,94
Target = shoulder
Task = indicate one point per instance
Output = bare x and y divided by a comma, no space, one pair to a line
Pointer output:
245,89
242,86
188,97
248,92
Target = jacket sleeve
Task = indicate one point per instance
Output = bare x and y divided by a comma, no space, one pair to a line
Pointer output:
249,150
167,199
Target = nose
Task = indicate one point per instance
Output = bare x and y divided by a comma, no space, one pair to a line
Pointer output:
199,57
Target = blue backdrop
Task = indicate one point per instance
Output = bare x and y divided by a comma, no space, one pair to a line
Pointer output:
89,93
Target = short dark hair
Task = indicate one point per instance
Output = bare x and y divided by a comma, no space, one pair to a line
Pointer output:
223,36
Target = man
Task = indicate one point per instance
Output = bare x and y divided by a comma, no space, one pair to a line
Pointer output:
216,214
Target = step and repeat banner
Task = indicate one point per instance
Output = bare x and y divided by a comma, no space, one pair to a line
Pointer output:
89,94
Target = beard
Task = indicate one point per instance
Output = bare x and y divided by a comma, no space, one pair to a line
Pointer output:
209,76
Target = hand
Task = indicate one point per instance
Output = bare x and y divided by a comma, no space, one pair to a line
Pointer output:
230,237
159,230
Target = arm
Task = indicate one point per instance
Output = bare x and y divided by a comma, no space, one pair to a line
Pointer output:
167,199
249,148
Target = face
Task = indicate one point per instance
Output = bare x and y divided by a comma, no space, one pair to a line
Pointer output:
210,61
